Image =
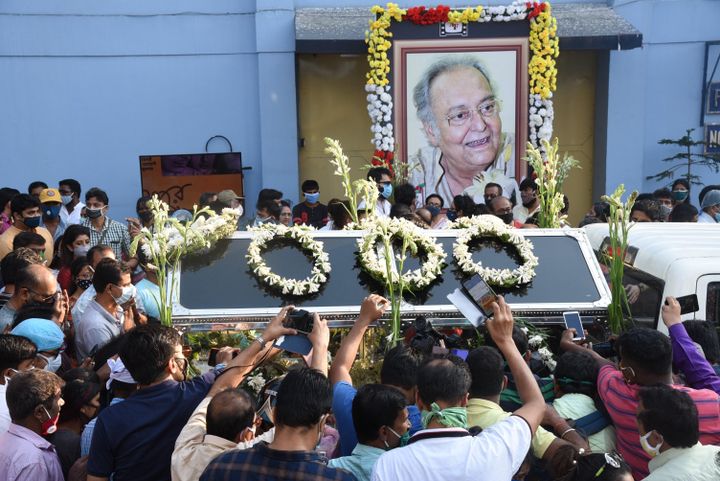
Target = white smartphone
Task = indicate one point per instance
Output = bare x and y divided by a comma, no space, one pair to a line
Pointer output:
573,321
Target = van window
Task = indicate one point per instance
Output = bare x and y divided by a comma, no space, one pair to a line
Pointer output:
712,311
649,291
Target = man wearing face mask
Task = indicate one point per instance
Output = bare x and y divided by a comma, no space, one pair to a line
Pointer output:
17,354
381,424
311,211
383,179
668,423
50,205
34,399
134,439
710,208
48,338
111,313
501,207
292,454
70,191
35,284
104,230
26,217
530,201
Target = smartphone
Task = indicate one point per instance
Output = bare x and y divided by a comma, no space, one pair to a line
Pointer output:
300,320
573,321
212,356
481,293
298,344
688,304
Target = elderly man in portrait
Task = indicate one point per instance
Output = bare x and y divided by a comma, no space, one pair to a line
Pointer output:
460,114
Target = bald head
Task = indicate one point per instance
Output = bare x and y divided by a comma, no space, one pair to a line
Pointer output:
500,205
229,413
36,284
98,253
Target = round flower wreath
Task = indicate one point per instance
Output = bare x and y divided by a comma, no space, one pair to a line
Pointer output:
300,236
488,226
418,241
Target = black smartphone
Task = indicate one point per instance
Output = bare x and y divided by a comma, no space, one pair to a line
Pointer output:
573,321
300,320
481,293
688,304
212,356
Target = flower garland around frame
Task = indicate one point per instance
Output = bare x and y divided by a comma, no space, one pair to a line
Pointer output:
301,237
416,241
542,70
488,226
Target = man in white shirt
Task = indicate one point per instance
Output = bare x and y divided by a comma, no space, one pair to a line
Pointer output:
710,208
445,450
383,178
530,203
669,433
72,207
17,354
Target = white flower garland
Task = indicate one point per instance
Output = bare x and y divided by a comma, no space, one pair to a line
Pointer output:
540,120
376,266
380,106
491,226
301,236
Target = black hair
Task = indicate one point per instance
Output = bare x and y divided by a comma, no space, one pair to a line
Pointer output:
76,267
437,196
99,194
71,234
443,380
229,412
304,396
602,211
375,406
376,173
569,465
465,204
108,271
496,185
82,374
205,198
662,193
644,196
73,184
338,210
670,412
310,185
14,350
33,311
147,351
705,334
269,194
23,201
587,220
482,209
705,190
35,184
77,393
27,239
528,183
519,338
16,260
400,367
265,204
649,207
566,205
486,371
647,348
30,389
142,202
576,373
100,248
405,194
683,212
685,184
6,195
400,211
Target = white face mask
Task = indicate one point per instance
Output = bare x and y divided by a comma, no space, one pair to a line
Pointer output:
128,292
53,363
652,451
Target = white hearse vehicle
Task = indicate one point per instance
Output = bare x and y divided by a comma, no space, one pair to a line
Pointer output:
669,259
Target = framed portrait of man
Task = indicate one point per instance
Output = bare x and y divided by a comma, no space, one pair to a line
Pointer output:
461,113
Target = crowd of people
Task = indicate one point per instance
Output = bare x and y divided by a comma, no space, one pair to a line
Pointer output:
94,388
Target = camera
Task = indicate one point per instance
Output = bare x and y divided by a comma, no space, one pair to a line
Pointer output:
300,320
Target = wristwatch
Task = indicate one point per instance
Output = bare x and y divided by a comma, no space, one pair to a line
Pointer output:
260,340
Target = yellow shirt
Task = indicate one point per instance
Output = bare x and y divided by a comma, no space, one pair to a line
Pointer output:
484,413
6,241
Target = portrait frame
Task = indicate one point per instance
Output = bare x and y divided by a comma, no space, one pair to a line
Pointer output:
515,55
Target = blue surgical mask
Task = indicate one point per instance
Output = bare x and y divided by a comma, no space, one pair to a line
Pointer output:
32,222
51,211
679,195
387,191
52,363
434,210
66,199
717,217
312,198
451,215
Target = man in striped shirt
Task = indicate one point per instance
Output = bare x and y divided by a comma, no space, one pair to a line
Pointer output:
645,360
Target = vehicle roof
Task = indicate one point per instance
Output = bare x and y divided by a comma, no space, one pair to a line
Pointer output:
660,244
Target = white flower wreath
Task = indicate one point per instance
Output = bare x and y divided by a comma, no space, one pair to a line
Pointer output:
418,241
493,227
299,235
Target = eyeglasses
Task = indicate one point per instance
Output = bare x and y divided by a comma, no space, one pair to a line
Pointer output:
487,110
45,300
183,364
613,460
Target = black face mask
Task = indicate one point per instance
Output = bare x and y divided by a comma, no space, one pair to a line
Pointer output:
145,216
84,283
506,218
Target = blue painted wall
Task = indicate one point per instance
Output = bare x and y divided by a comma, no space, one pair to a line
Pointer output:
87,87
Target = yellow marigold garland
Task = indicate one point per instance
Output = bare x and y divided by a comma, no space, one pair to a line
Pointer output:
544,45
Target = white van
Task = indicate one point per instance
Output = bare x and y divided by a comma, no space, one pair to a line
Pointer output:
669,259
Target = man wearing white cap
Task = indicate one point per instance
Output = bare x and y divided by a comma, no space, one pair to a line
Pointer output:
710,208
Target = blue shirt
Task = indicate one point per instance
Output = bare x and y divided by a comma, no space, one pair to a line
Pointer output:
134,439
87,434
360,463
149,294
264,464
343,395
